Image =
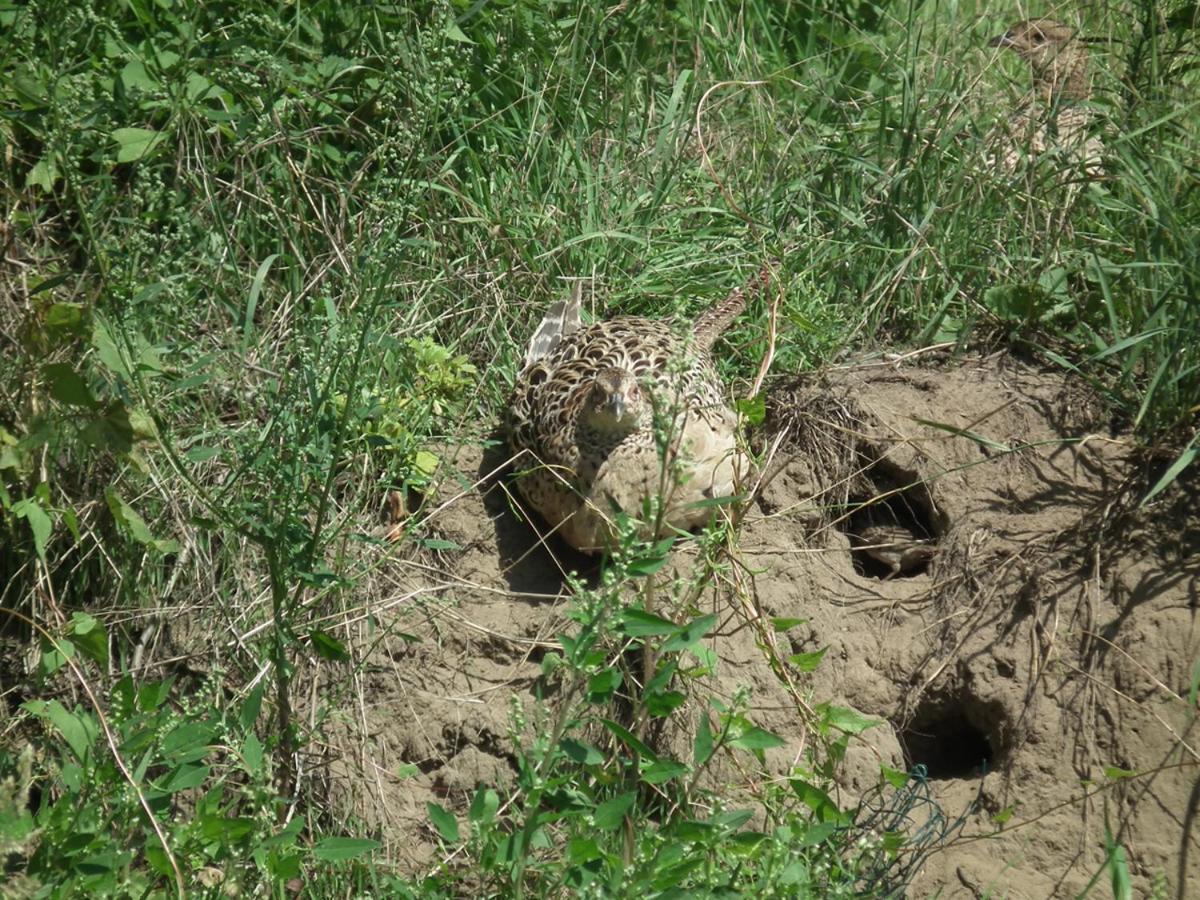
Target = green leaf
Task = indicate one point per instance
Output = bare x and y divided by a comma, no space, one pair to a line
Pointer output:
39,523
755,738
847,720
455,33
753,409
185,777
328,647
252,754
702,748
248,714
623,734
580,851
1018,302
134,75
1125,343
157,860
44,174
611,813
644,566
110,431
638,623
663,703
818,801
166,58
71,520
226,829
186,738
198,87
602,685
691,830
107,350
425,463
817,834
894,841
29,86
1186,458
333,849
690,633
132,524
107,861
781,624
663,770
1118,868
67,386
732,820
152,695
484,805
711,502
88,635
55,654
439,544
794,874
77,729
252,301
580,752
287,835
134,144
65,321
444,822
808,662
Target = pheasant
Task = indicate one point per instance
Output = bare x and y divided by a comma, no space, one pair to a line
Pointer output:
593,404
895,546
1051,114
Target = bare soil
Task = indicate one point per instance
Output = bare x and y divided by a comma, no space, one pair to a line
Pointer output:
1047,643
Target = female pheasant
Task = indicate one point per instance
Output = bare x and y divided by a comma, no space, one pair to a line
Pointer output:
1052,114
593,404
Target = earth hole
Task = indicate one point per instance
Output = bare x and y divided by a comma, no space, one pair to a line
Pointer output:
891,526
945,737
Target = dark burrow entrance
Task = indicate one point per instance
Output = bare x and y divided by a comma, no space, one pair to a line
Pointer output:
944,736
891,523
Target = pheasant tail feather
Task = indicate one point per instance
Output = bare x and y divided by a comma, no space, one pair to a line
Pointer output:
718,318
563,317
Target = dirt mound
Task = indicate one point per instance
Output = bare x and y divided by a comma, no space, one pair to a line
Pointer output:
1040,638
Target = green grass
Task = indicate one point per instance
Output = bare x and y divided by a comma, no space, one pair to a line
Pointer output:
260,256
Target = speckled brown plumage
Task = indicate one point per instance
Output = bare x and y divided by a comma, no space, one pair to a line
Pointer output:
1050,115
583,415
895,546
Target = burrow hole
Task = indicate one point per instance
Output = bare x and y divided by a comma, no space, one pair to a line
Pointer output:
892,526
954,737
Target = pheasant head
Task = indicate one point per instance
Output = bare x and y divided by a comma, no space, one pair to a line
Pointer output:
1057,55
616,403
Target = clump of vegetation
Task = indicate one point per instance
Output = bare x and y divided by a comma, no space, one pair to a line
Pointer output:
260,260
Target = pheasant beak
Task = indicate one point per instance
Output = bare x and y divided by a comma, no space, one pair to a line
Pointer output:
617,404
1001,40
